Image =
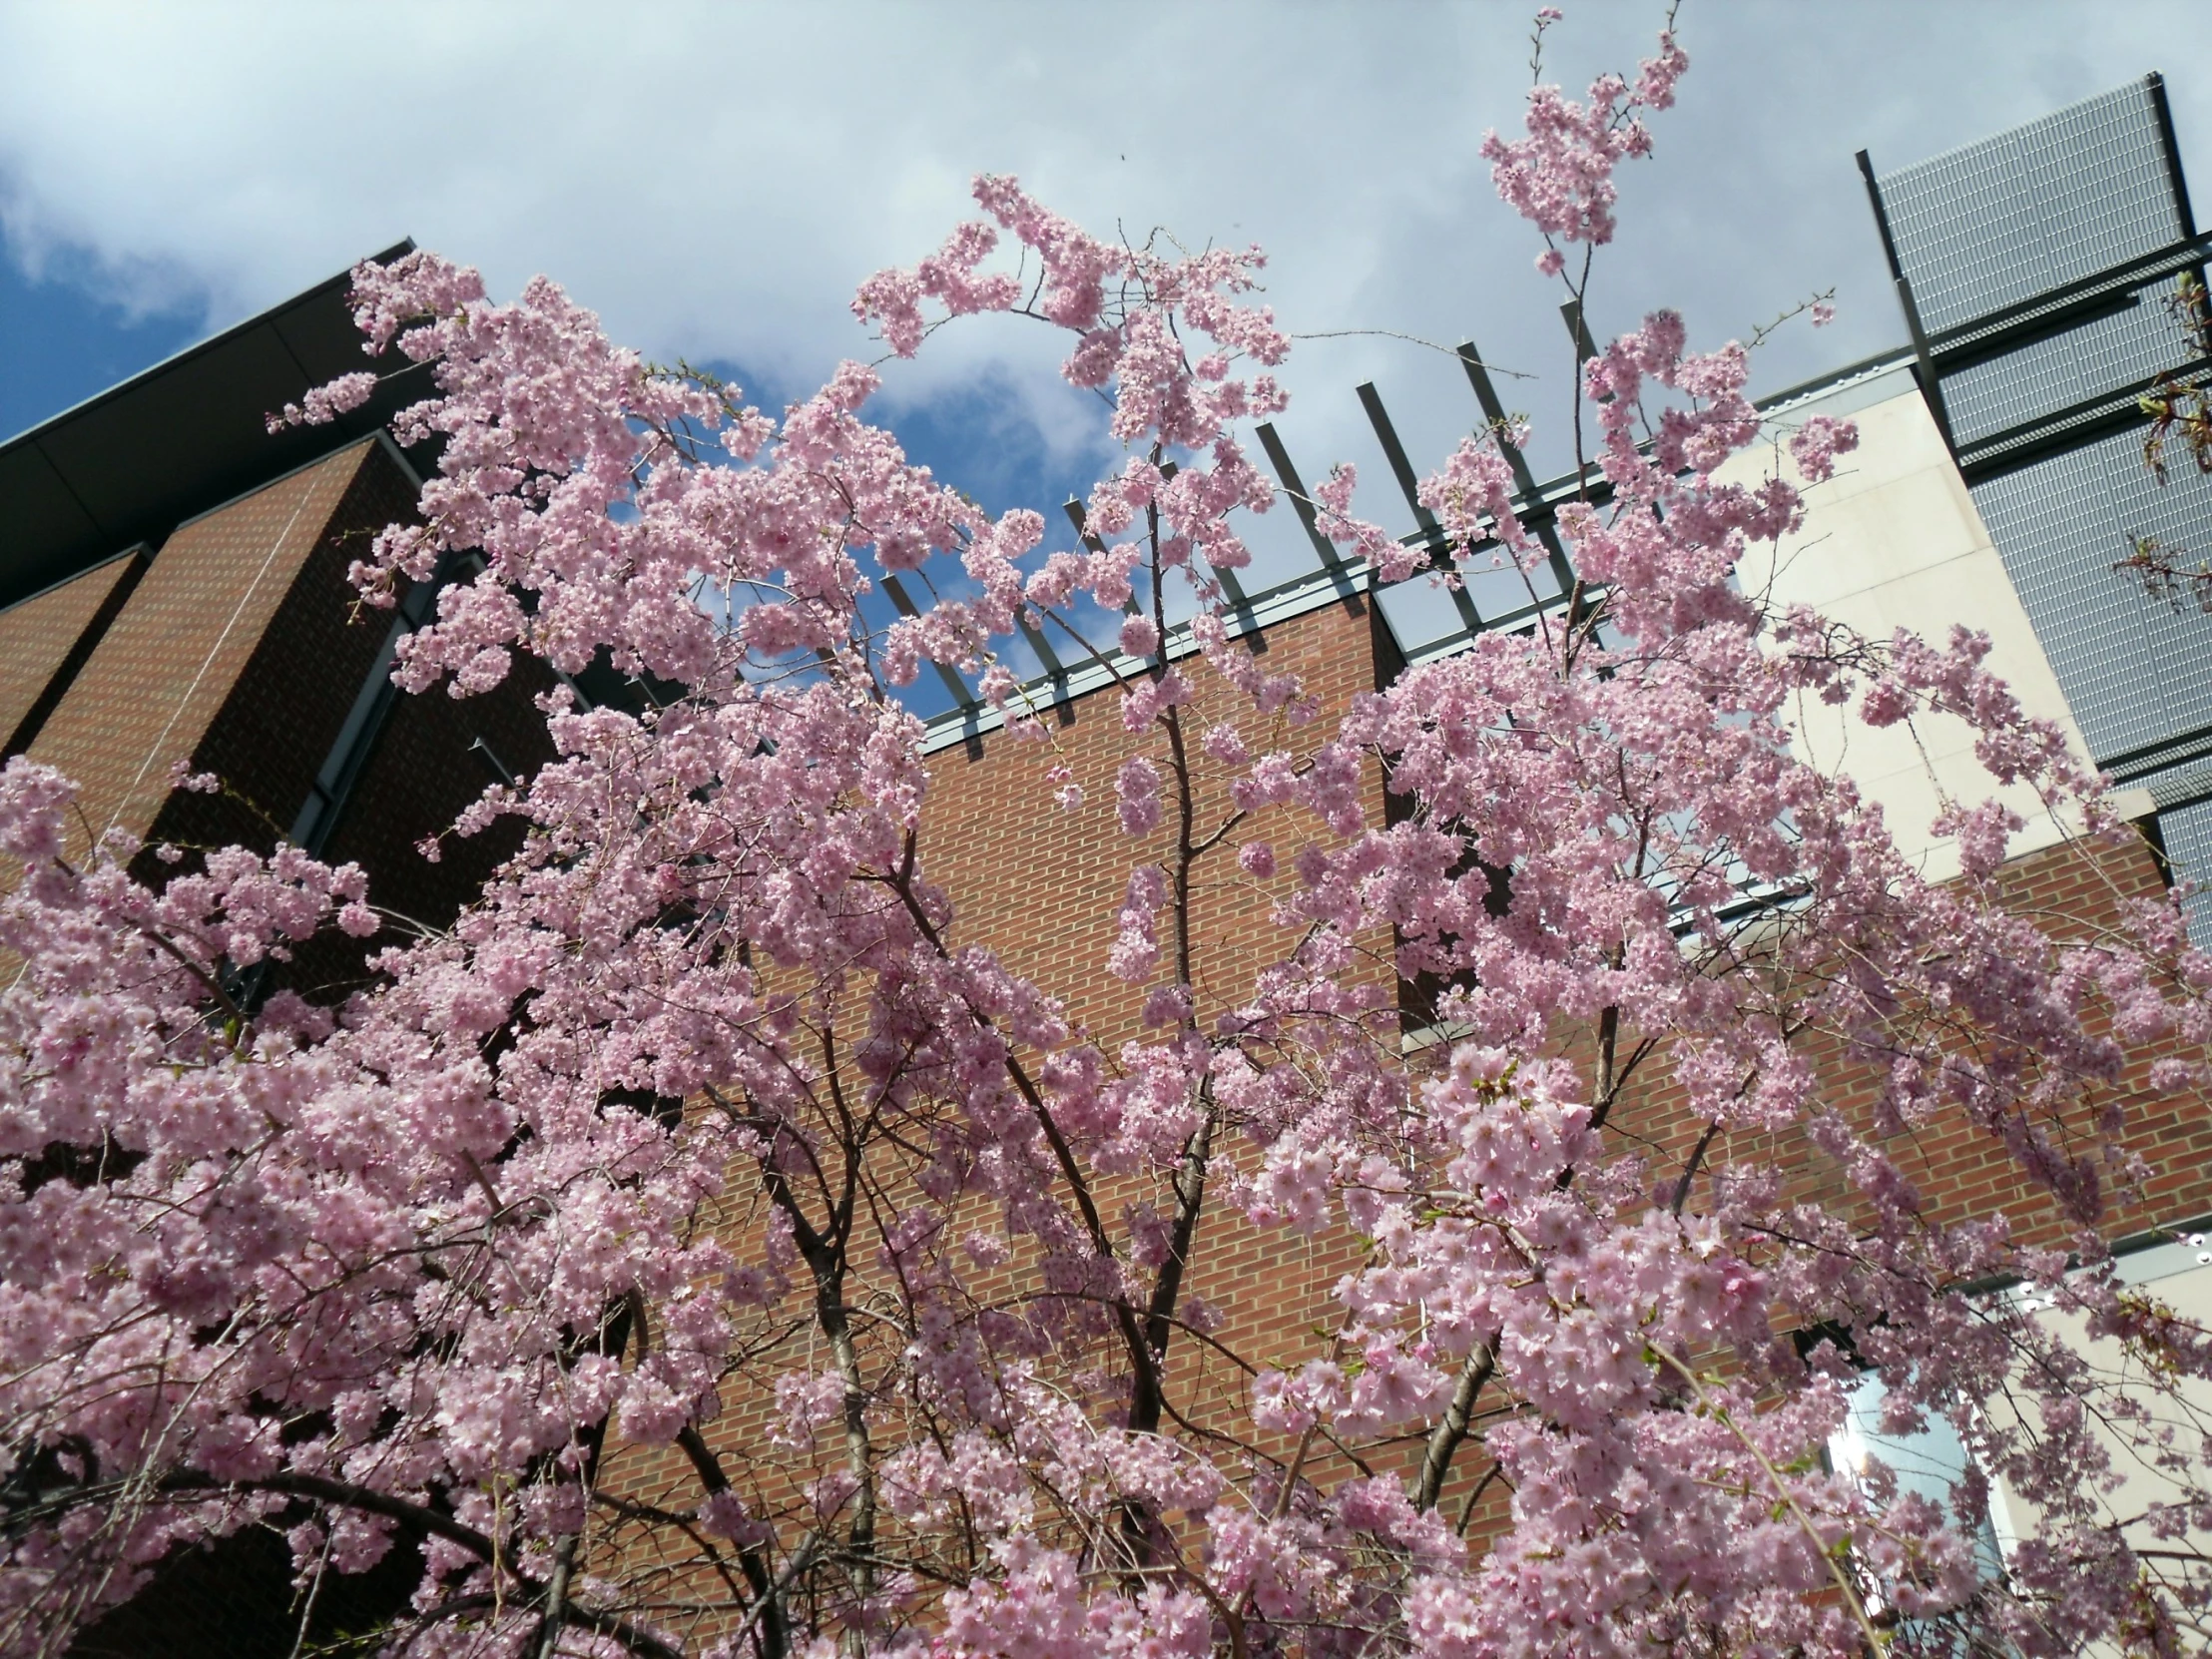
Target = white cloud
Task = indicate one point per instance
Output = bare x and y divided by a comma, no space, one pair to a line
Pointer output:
716,178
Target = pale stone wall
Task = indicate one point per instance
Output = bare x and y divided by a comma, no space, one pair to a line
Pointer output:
1894,541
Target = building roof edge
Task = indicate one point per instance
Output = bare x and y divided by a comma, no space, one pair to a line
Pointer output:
198,348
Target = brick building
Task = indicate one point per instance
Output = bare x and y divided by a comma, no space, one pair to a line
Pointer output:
172,589
1907,534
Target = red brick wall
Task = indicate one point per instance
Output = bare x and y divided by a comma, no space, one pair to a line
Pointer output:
1043,886
1960,1169
45,640
166,668
1040,884
242,651
306,663
421,769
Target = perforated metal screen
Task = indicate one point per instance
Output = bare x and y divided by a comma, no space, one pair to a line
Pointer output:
2187,832
2136,671
2132,343
2003,220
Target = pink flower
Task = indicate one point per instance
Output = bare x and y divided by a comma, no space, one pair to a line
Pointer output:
1137,796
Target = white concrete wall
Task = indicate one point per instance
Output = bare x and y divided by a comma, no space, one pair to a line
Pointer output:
1894,540
2177,1275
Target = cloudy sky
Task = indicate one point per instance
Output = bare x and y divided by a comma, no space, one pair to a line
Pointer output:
716,178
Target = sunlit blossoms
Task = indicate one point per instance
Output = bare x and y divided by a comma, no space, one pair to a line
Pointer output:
710,1127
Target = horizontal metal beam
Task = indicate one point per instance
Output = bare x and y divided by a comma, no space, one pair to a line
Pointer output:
2130,766
2070,427
2050,310
952,683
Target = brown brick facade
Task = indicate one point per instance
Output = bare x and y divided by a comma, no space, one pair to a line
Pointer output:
1043,886
239,649
242,651
172,666
46,640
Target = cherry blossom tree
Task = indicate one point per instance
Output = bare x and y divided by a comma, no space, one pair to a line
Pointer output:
710,1131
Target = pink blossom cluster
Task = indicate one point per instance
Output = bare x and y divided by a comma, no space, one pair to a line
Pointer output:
1560,176
325,403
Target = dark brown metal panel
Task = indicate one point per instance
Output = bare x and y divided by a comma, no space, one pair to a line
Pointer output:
184,436
37,511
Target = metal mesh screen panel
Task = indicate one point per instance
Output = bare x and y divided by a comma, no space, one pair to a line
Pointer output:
2104,355
2182,786
2059,199
2187,832
2135,672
